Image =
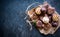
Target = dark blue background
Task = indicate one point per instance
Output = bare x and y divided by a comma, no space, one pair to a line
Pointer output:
12,23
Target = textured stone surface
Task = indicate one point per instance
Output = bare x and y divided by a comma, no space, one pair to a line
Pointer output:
12,23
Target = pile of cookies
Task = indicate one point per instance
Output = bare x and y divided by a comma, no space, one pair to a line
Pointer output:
45,17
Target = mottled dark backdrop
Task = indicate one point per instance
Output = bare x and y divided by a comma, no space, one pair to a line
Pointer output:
12,23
